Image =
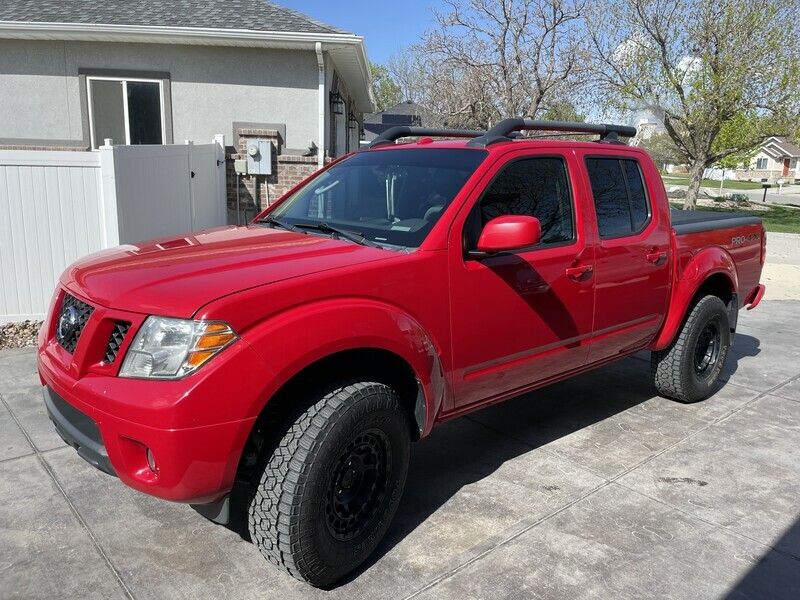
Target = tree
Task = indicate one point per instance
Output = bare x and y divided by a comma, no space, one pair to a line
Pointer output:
733,134
662,149
387,92
563,110
704,63
491,59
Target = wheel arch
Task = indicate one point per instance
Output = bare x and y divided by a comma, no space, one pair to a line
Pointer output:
330,339
710,272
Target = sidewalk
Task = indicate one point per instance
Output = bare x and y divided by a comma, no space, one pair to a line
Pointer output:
781,272
790,195
592,488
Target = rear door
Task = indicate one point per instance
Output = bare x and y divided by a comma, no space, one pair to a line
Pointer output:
518,317
633,257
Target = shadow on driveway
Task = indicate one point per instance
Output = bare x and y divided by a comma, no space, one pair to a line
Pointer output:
470,449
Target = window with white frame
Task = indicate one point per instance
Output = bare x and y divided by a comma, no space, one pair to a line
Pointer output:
761,163
127,110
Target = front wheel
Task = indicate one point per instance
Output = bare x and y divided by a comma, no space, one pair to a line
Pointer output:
331,484
689,368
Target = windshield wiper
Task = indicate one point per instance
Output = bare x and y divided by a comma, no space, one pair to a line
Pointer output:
282,224
353,236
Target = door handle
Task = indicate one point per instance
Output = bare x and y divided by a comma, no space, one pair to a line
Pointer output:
576,272
656,256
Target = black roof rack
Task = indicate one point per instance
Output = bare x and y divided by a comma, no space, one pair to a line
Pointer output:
504,131
505,128
395,133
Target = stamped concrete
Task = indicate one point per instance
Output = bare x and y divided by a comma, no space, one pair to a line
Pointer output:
593,487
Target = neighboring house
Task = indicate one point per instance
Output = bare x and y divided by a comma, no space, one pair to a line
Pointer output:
406,113
73,73
776,159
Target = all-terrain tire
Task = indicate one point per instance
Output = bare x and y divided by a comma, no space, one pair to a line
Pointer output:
311,511
689,368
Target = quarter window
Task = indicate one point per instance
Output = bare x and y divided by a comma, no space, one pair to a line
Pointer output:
620,200
537,187
129,111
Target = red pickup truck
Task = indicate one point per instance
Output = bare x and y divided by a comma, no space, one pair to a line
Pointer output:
404,285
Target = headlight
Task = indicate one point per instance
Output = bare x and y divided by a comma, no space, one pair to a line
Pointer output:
172,348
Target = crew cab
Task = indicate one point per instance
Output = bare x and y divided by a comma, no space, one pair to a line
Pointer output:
403,285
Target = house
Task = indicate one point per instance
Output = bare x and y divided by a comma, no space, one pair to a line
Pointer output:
75,73
775,160
406,113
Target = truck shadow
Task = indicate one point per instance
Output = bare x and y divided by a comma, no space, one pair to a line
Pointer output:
744,346
470,449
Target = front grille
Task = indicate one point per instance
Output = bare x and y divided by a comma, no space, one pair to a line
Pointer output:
115,341
72,319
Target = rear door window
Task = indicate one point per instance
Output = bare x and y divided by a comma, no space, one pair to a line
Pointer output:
620,199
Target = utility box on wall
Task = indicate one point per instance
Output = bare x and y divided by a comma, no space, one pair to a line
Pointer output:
259,157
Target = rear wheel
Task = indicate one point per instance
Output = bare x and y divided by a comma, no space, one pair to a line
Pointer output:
689,368
330,486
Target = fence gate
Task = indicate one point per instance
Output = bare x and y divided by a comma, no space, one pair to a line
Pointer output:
166,190
56,207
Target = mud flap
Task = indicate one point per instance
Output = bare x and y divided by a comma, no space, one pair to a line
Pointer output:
733,314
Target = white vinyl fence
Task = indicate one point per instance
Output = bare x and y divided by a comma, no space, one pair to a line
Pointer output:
56,207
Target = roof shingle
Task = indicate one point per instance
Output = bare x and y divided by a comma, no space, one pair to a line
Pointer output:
254,15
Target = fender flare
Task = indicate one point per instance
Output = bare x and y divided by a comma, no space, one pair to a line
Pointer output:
706,263
294,339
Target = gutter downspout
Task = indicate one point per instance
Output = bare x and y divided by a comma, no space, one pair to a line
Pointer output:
321,145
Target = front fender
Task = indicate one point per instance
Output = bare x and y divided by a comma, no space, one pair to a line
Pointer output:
704,264
295,339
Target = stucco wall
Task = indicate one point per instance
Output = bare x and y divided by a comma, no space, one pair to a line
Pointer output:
210,88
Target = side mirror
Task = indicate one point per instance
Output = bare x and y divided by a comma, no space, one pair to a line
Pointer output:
507,233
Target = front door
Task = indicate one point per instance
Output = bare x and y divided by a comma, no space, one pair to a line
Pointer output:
525,316
786,165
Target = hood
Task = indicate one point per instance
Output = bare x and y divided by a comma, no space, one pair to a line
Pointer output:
176,276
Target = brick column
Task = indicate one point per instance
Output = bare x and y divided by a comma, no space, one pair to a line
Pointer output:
287,171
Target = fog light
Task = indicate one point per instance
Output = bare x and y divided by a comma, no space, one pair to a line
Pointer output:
151,461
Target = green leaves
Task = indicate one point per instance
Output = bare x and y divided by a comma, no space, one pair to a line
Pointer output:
726,73
387,92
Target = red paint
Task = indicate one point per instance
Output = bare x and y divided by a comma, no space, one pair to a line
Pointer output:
474,331
510,232
756,297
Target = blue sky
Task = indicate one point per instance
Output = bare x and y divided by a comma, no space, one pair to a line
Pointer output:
385,26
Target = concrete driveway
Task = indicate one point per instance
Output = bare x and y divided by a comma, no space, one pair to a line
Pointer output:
593,487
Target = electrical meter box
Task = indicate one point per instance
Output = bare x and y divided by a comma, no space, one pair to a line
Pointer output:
259,157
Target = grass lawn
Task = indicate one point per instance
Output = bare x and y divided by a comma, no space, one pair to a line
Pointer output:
711,183
782,219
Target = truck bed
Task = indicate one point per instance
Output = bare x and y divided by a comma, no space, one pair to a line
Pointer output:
739,235
696,221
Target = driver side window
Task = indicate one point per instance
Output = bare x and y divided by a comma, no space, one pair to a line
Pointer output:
536,187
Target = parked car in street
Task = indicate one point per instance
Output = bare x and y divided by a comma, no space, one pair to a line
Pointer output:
402,286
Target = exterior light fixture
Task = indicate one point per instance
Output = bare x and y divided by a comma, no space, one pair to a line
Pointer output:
337,104
352,122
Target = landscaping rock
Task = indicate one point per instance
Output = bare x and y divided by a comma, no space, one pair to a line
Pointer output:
19,335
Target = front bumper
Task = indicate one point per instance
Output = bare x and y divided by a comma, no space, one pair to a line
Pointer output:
78,430
195,428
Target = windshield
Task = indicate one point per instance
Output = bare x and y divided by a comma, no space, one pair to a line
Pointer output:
391,197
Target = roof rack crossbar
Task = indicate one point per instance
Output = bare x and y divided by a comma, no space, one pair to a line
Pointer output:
503,130
395,133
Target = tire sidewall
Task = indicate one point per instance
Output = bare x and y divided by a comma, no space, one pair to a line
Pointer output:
368,413
710,309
